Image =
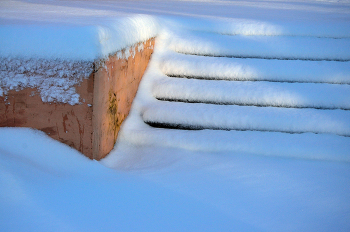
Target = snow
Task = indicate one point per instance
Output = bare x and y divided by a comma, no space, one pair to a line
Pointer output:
302,95
304,146
68,33
222,68
249,118
284,169
38,36
249,27
48,186
271,47
52,187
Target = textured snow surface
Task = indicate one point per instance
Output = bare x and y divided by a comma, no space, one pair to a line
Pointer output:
53,79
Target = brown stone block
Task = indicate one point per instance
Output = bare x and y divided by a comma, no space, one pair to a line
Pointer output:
92,126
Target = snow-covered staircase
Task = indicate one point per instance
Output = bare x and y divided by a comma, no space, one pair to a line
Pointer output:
272,95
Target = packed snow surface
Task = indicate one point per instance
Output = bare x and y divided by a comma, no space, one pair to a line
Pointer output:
280,164
47,31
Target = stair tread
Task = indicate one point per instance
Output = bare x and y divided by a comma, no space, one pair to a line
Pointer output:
299,95
221,68
268,47
305,146
232,117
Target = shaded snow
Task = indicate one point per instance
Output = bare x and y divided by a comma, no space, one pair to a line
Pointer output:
46,185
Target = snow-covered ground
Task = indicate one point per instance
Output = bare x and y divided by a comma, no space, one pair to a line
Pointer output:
281,162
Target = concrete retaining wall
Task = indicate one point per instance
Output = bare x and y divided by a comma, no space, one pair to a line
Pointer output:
90,127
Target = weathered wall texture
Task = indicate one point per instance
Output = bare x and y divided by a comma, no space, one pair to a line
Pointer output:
113,96
91,127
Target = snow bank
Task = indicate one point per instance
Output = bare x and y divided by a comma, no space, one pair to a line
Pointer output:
46,185
51,157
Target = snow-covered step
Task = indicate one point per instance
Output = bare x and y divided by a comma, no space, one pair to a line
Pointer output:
207,116
268,47
261,93
304,146
222,68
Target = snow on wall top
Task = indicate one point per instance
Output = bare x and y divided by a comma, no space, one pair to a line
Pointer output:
48,31
52,48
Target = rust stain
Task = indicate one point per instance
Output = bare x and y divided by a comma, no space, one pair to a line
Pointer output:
112,111
115,118
81,135
65,118
57,129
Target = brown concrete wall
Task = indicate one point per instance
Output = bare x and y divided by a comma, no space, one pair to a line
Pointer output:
116,85
91,127
68,124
